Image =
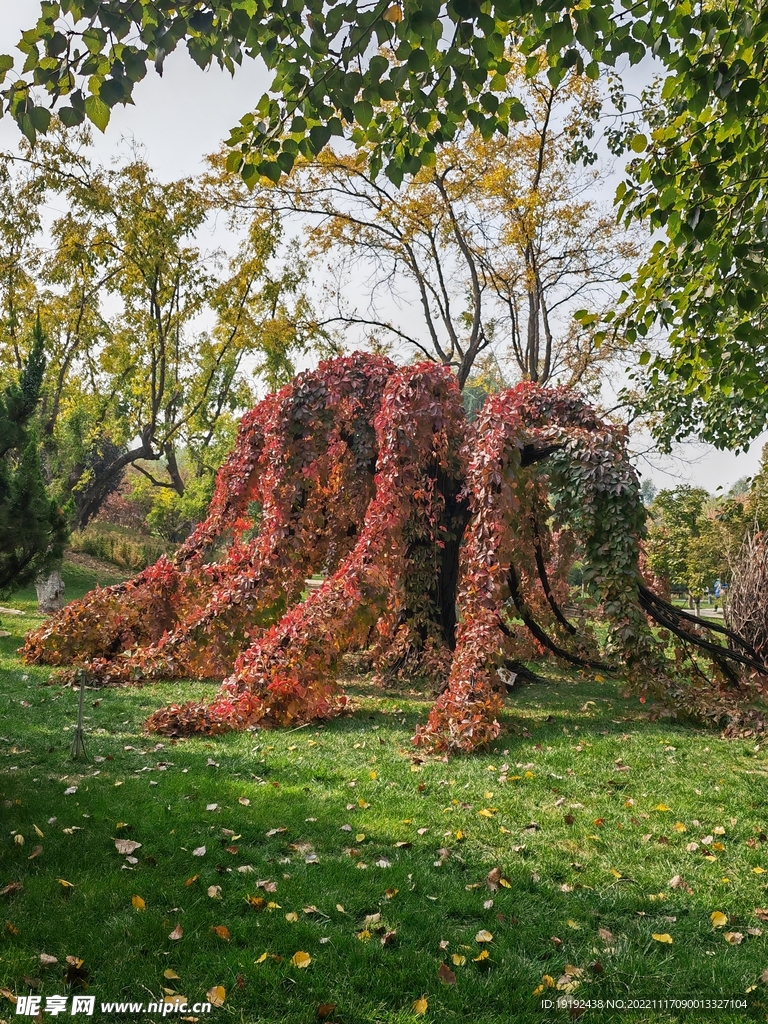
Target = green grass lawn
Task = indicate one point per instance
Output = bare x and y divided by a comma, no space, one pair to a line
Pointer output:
588,809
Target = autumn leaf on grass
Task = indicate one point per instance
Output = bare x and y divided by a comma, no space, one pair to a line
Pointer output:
35,853
138,903
126,846
483,936
257,902
678,882
214,891
216,995
718,919
222,931
664,937
46,960
65,884
177,933
11,888
484,955
199,851
458,960
171,975
292,917
301,959
734,938
446,975
325,1010
192,880
605,935
420,1006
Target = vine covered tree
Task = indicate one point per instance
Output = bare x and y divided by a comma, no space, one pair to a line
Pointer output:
446,545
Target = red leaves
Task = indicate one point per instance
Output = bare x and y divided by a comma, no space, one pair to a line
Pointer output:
374,471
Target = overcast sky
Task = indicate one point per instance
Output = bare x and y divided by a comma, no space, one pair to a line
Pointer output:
188,113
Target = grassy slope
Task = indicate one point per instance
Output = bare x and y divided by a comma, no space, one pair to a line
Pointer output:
607,869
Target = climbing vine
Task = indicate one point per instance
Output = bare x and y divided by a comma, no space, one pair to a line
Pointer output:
446,548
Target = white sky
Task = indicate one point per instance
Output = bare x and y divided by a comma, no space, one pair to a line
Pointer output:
188,113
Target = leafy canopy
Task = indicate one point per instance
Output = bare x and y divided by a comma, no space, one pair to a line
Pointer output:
401,76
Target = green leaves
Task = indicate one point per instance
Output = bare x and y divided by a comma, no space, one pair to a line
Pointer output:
97,112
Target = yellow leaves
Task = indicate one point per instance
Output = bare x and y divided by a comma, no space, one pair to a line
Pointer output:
718,919
487,812
661,807
573,924
301,959
261,959
364,935
733,938
244,801
192,880
458,960
679,827
291,917
363,804
530,775
372,776
484,955
459,835
420,1006
664,937
547,981
257,902
38,833
222,931
171,975
758,871
483,936
18,839
360,837
138,903
176,934
65,884
341,909
216,995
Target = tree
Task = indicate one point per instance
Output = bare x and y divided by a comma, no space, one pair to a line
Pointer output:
133,379
32,527
374,475
693,539
404,76
494,246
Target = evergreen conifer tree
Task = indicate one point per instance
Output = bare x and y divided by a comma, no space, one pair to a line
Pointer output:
33,529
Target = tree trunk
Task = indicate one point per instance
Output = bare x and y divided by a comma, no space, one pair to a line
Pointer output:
50,592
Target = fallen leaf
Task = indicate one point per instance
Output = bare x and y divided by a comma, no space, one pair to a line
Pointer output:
388,938
605,935
484,955
325,1010
199,851
214,891
216,995
138,903
177,932
65,884
678,882
458,960
420,1006
171,975
661,807
665,937
257,902
11,888
46,960
192,880
35,853
493,878
292,916
261,959
126,846
446,975
734,938
301,959
222,931
718,919
483,936
244,801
